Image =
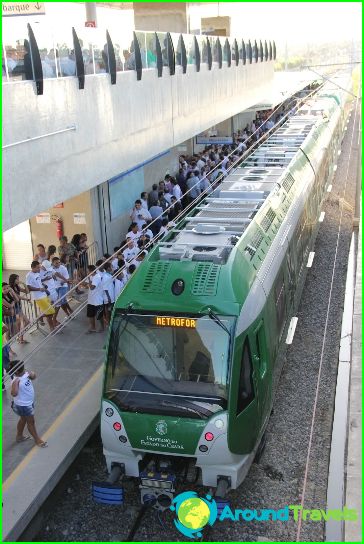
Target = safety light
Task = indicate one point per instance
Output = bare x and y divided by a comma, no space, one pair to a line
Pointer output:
117,426
209,437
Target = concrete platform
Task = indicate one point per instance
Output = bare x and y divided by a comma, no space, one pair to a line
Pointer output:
353,531
68,392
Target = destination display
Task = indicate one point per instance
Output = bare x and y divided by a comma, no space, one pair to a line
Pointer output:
179,322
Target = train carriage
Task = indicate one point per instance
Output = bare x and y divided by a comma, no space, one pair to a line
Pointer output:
196,334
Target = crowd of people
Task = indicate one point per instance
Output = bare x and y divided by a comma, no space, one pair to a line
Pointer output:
54,270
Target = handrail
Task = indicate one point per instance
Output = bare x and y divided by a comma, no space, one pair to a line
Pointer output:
180,216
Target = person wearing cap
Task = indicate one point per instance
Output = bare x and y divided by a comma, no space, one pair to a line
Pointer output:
39,294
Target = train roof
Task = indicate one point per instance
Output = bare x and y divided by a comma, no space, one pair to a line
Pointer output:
219,247
215,226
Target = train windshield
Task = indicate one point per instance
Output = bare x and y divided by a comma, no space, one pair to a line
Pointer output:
168,365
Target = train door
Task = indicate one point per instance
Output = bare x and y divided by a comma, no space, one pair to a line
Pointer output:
291,280
243,411
263,370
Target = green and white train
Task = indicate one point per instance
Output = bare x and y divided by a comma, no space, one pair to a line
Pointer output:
196,333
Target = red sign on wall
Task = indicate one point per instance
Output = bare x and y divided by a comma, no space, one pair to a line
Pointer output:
92,24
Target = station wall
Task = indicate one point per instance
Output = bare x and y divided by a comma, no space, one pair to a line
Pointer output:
109,129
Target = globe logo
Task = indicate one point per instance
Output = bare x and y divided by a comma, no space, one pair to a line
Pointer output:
193,513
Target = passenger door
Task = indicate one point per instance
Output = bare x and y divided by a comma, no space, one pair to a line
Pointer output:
263,370
244,412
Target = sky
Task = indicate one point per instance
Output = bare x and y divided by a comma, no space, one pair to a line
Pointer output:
295,22
291,22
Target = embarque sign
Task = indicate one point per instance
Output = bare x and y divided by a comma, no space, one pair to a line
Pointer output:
12,9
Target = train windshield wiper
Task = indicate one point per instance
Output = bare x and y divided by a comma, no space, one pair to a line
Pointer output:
217,320
195,409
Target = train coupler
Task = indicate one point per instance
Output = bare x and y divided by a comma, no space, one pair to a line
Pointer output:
157,489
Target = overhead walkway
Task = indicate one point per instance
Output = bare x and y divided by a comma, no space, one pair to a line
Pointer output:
66,132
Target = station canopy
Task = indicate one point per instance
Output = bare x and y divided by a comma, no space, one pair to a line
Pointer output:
285,84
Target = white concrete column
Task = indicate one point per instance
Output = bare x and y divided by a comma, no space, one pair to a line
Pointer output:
91,11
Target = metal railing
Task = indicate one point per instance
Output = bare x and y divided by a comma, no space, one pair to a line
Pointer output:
26,310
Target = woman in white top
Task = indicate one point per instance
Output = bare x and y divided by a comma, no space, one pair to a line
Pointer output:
23,404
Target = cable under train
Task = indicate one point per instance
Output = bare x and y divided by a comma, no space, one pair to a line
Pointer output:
191,361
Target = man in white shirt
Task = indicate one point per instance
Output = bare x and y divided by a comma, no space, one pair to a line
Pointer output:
62,281
39,294
144,200
140,258
176,190
133,232
200,164
47,277
131,250
139,215
108,287
95,299
147,231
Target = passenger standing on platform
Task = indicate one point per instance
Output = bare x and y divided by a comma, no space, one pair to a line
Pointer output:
139,215
130,251
133,231
68,250
51,251
41,254
147,231
61,280
156,212
22,391
20,289
144,200
175,208
7,352
176,190
153,195
39,294
95,300
119,283
108,291
193,185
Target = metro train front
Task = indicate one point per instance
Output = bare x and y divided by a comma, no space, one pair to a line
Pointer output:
165,398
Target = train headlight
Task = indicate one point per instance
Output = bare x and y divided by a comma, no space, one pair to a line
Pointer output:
109,412
203,448
209,437
117,426
219,424
123,439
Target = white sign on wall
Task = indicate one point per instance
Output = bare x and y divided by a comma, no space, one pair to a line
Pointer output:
43,218
11,9
79,218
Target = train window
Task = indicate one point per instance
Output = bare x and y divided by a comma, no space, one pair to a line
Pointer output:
246,389
280,300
